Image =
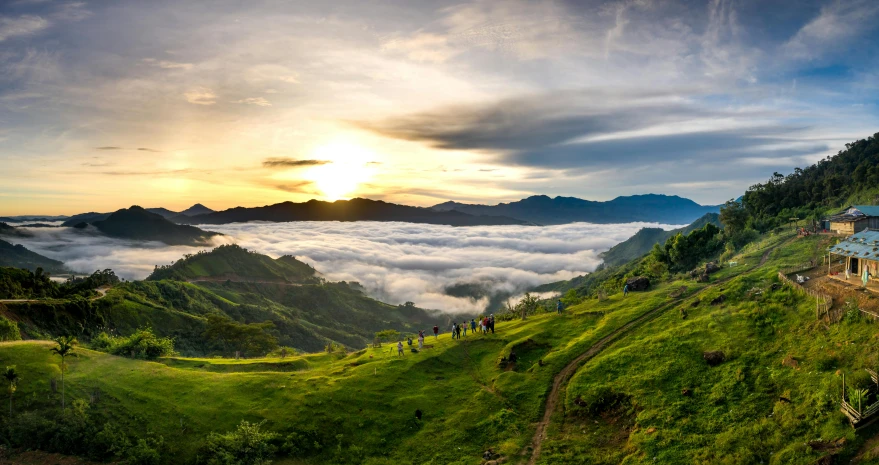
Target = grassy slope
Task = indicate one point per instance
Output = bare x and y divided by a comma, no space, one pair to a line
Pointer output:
233,261
369,397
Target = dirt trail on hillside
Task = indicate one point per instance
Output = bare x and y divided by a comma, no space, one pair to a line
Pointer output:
102,291
561,378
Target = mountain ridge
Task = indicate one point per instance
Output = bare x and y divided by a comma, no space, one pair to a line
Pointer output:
542,209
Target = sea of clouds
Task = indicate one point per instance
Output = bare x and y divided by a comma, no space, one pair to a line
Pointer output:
395,262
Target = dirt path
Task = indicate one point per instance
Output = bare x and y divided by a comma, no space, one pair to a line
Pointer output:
561,378
102,292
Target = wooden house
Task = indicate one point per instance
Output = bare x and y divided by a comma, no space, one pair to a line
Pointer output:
860,253
854,219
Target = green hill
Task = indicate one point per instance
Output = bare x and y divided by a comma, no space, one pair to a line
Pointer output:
237,264
17,256
640,391
641,243
138,224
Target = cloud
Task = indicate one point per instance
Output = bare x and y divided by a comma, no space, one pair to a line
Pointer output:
109,147
165,64
145,149
423,47
201,96
839,21
395,262
291,163
298,187
21,26
259,101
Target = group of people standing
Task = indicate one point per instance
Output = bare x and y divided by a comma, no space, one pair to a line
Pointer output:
485,324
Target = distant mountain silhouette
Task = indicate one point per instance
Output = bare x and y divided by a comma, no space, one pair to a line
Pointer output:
7,230
137,223
542,209
17,256
346,210
90,217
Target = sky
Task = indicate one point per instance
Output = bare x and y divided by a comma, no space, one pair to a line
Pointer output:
105,104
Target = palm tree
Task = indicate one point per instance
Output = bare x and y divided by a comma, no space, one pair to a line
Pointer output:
64,349
12,378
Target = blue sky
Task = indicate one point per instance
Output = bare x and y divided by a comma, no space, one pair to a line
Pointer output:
104,104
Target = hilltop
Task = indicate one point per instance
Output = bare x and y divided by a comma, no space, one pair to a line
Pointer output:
18,256
238,264
138,224
644,240
346,210
542,209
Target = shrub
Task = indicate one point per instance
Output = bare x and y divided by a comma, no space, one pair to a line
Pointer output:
143,344
601,399
9,330
247,445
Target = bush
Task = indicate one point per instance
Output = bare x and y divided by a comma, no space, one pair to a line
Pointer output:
601,399
247,445
143,344
9,330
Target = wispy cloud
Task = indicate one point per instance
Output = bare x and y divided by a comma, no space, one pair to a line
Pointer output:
165,64
201,96
291,163
21,26
108,147
258,101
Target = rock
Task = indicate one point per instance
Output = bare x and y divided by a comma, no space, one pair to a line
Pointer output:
711,267
638,283
490,462
719,300
714,358
790,362
650,430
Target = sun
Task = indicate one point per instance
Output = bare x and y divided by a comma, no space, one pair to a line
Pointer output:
345,170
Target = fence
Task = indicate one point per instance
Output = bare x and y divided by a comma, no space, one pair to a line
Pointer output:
823,302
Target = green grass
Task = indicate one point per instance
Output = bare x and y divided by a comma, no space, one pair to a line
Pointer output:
363,403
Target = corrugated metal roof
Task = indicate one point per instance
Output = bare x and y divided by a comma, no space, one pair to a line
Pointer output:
856,212
864,244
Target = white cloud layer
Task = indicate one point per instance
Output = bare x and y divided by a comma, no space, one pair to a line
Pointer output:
395,262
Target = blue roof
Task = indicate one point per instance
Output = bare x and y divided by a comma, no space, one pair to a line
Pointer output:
856,212
869,210
864,244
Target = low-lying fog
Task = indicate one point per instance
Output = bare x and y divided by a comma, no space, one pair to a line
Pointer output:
395,262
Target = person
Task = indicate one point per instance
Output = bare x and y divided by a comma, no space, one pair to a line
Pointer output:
484,325
559,306
472,325
458,330
626,290
420,333
454,327
421,341
400,348
491,323
435,331
464,324
409,341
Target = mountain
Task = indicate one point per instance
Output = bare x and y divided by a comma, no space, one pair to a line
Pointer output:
231,262
12,231
84,218
137,223
26,218
641,243
197,209
542,209
346,210
17,256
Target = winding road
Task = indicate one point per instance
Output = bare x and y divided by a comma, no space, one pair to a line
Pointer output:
102,291
562,377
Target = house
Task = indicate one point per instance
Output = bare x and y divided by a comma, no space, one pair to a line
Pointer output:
855,218
860,253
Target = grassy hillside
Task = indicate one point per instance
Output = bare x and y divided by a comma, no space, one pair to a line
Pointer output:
641,243
235,263
628,404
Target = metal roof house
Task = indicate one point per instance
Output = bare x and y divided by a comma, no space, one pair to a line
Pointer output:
861,252
854,219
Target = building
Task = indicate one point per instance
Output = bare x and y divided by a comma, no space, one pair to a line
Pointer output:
859,253
855,218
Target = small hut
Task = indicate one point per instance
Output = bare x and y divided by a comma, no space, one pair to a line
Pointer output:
860,253
854,219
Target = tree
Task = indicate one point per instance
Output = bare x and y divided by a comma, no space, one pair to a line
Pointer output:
64,349
528,304
387,335
12,378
